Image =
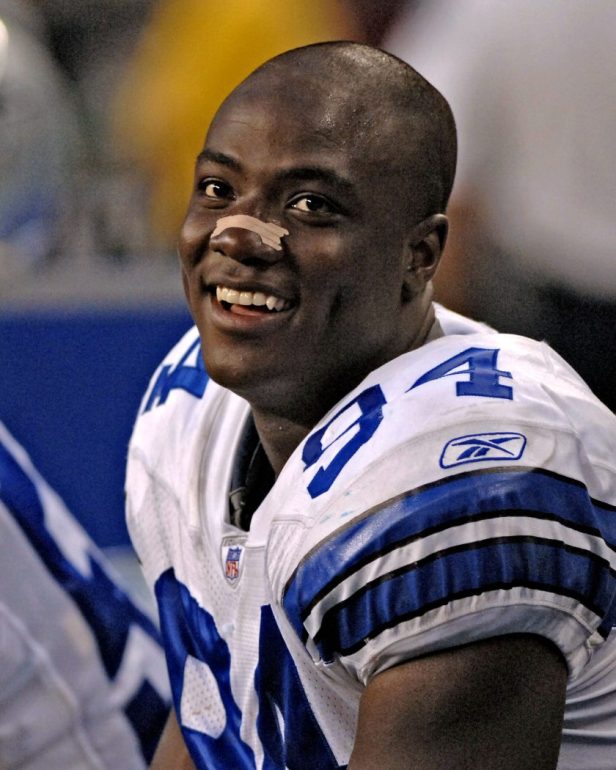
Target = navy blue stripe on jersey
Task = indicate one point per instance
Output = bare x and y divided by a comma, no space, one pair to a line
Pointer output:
189,377
287,726
476,496
498,563
100,600
190,630
109,612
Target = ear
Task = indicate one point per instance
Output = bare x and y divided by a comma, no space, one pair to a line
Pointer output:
425,246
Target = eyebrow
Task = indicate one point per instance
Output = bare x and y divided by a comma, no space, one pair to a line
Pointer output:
316,173
296,173
218,157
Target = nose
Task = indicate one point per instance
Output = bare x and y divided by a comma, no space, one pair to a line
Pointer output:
246,238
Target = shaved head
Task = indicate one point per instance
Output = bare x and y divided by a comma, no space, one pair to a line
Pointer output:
371,97
322,186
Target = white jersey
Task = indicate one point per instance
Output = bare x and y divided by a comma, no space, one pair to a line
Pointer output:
464,490
83,684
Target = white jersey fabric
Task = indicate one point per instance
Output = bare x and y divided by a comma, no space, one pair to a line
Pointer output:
83,684
464,490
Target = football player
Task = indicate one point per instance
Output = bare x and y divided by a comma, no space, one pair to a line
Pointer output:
379,534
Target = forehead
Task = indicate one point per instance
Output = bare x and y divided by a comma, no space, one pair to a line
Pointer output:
295,117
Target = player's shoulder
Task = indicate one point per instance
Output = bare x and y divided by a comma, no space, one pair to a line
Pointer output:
179,398
471,429
180,372
467,402
473,365
464,347
185,432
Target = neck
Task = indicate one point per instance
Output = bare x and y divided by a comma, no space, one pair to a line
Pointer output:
280,434
423,332
279,437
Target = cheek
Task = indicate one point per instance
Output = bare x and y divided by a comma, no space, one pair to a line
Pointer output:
186,287
192,224
370,301
186,251
191,239
371,280
337,286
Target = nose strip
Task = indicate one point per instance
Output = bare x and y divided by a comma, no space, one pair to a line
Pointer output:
271,234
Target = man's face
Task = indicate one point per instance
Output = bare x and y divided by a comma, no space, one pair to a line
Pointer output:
281,153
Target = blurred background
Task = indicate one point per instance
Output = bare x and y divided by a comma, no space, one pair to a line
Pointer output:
104,105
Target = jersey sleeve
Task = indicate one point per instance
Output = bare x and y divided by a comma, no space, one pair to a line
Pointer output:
496,521
484,554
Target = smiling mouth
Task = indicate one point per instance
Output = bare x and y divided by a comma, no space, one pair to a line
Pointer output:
254,300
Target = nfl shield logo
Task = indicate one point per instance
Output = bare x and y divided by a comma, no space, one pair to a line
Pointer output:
232,562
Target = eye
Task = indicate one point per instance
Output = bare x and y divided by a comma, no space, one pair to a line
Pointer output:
310,203
214,189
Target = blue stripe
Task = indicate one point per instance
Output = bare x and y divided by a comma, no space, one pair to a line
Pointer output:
460,572
107,609
467,497
289,729
189,629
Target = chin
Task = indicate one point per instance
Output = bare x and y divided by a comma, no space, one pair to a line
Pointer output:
227,373
242,366
234,373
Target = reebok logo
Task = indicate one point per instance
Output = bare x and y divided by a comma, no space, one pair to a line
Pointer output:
482,447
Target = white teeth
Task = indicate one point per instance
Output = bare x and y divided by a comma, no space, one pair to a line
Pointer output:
247,298
274,303
233,296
